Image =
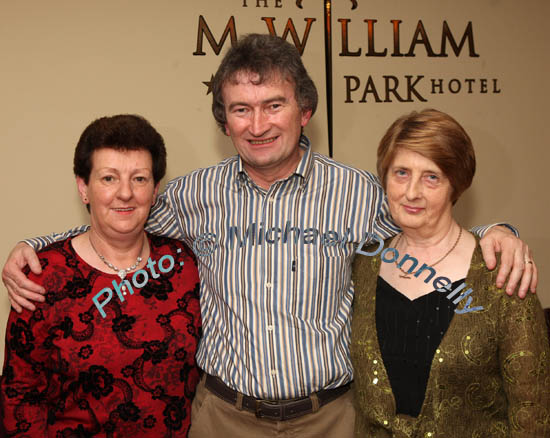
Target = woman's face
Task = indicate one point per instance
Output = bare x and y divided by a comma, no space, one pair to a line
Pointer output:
120,191
418,192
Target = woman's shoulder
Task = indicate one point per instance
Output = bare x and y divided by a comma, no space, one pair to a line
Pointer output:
485,291
58,255
367,256
158,241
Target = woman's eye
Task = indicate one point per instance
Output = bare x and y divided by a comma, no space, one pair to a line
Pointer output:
433,178
400,172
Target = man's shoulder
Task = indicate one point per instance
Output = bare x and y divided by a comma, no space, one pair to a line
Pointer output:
342,169
228,164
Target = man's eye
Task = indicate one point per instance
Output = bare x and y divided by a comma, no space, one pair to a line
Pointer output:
141,179
108,178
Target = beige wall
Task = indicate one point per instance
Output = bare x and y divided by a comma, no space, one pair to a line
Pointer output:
65,63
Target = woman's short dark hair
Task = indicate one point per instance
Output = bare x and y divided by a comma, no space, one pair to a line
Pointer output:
265,55
436,136
121,132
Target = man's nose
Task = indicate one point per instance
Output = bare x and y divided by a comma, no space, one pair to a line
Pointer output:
259,124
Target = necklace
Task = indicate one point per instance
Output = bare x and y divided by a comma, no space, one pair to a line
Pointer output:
406,274
120,272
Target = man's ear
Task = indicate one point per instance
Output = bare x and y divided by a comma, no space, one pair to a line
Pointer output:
227,130
306,115
82,190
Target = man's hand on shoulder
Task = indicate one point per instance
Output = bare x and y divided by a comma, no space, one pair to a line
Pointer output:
21,290
516,261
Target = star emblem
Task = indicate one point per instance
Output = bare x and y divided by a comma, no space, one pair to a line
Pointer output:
209,84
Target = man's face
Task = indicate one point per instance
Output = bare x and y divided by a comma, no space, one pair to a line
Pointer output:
264,122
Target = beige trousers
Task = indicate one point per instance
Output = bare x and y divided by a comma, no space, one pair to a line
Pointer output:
212,417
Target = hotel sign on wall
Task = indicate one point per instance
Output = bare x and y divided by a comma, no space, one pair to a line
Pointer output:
457,41
372,51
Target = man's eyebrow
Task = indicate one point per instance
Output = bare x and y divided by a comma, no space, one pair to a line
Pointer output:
264,102
275,99
234,104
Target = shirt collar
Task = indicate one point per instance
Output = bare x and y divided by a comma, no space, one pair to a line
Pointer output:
303,170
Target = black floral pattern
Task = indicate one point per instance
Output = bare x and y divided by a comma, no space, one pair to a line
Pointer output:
128,411
155,351
149,422
85,352
174,414
123,323
97,380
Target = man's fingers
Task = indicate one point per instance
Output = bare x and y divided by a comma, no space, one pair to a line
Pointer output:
23,283
518,270
534,278
526,280
17,297
34,263
23,302
14,305
22,296
506,263
488,251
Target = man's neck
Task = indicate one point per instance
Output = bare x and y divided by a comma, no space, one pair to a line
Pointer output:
265,177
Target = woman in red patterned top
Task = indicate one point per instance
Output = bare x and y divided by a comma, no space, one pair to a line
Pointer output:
111,351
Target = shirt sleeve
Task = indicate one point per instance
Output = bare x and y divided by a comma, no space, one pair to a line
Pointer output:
42,242
25,386
163,218
480,230
524,356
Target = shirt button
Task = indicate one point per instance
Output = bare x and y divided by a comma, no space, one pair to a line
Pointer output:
268,285
274,373
375,381
270,328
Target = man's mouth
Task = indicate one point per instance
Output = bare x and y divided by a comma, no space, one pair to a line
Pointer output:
264,141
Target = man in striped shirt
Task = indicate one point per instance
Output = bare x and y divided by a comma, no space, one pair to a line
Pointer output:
274,229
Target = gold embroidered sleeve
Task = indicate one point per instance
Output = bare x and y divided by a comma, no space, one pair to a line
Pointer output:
524,356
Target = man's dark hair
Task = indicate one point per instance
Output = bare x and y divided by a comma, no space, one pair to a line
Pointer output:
122,132
265,55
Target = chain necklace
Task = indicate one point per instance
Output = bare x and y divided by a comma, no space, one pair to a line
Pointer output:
120,272
406,274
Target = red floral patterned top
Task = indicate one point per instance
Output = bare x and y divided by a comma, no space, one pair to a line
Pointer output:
69,372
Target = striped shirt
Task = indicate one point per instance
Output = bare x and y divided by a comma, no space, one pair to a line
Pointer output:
275,268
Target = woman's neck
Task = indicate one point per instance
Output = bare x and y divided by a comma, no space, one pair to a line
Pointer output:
425,238
117,251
